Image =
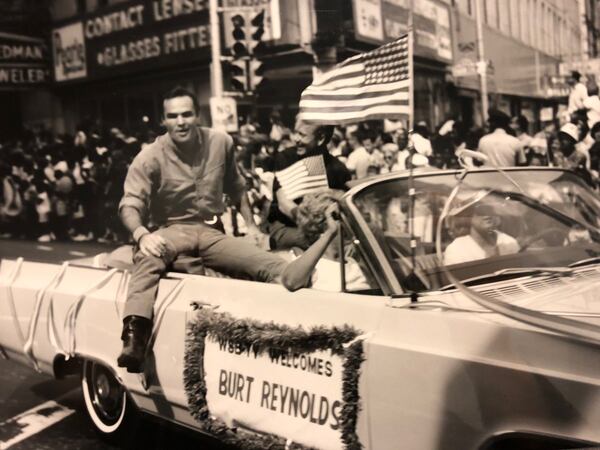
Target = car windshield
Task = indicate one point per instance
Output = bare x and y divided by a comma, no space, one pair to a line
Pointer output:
491,225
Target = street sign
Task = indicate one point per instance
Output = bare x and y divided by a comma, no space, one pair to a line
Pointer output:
223,112
464,68
469,68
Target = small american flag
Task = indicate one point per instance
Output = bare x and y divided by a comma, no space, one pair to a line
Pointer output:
372,85
303,177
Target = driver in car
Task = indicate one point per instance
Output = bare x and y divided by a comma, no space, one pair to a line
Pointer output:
484,240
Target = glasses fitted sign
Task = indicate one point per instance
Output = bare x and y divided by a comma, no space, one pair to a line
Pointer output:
141,36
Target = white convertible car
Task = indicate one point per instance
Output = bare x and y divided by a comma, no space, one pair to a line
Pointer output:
480,327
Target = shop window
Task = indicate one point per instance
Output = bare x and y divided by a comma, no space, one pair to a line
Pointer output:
81,6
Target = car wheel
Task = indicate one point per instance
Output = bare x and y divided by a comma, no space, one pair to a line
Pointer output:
110,409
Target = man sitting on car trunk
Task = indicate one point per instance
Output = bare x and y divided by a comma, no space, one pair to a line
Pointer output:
179,181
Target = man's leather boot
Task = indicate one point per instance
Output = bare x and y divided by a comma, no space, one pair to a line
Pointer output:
136,332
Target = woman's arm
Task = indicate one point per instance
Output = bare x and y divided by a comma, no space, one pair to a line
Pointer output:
298,273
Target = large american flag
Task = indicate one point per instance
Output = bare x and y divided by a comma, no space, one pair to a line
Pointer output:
372,85
306,176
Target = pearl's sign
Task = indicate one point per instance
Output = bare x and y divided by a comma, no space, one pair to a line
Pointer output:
69,52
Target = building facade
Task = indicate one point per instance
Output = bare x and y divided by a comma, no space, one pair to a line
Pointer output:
524,42
112,59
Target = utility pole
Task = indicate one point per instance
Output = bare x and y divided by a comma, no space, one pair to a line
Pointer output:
481,64
216,84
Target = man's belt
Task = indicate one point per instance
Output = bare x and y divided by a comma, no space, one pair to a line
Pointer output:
213,220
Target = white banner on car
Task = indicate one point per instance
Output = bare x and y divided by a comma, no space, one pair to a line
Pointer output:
297,396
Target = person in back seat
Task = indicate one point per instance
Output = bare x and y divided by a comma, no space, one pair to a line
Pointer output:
179,180
319,267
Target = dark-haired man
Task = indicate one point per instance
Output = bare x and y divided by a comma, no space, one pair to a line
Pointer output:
179,180
365,156
578,93
501,148
303,169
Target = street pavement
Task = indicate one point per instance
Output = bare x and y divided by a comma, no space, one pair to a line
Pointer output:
54,409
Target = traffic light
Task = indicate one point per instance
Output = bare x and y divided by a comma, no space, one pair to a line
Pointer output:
239,47
255,73
257,30
239,76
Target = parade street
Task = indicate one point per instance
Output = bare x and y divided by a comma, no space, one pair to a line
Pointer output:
38,412
26,396
300,224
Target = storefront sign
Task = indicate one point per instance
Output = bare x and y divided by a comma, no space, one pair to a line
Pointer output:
133,36
23,61
368,20
68,50
381,21
513,68
296,395
590,66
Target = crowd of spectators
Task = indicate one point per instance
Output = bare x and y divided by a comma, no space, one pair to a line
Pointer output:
68,187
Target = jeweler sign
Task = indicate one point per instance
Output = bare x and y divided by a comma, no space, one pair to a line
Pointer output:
23,61
132,36
296,395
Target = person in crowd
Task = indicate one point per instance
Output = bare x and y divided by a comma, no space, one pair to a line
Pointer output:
595,151
11,202
592,105
483,240
501,148
306,168
420,139
401,138
578,93
366,155
62,204
318,267
567,156
279,131
179,181
390,158
520,127
444,144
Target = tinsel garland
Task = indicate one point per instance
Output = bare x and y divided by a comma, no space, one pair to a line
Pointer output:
261,337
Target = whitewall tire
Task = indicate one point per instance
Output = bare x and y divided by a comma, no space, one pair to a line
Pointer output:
106,401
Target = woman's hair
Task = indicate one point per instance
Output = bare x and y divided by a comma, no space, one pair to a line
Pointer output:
310,217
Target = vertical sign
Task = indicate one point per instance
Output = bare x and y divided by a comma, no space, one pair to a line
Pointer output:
68,49
223,113
367,19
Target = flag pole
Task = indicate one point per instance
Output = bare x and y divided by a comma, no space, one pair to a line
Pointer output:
411,77
411,179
